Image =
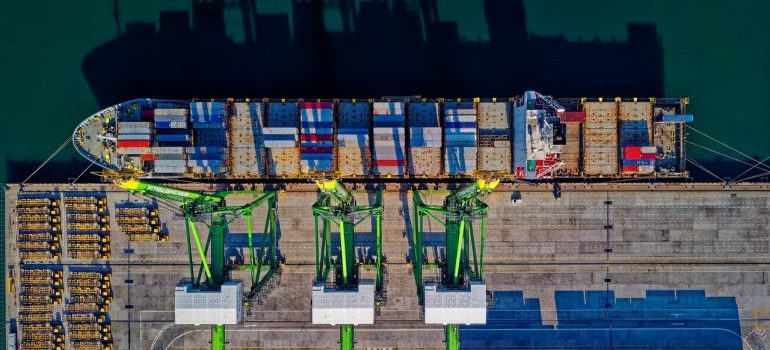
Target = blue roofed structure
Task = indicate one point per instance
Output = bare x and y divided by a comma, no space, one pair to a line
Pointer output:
663,319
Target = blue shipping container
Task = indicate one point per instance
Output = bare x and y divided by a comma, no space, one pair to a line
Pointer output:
495,132
279,137
317,143
316,156
318,125
173,138
459,125
353,131
677,118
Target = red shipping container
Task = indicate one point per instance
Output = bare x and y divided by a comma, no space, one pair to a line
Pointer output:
147,156
317,105
573,117
649,155
315,149
632,152
316,137
389,162
148,114
630,168
133,143
520,173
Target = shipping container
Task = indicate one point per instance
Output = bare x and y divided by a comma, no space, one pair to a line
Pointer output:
354,161
131,143
171,111
683,118
282,114
171,118
283,161
168,150
600,141
133,125
123,136
207,112
173,137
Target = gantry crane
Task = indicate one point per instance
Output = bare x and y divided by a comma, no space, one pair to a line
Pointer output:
213,212
462,269
340,303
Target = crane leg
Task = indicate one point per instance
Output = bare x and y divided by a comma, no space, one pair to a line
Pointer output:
217,337
346,337
452,336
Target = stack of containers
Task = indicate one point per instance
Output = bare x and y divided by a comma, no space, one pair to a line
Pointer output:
317,137
280,137
634,134
353,153
494,137
246,152
134,139
134,134
207,157
424,139
573,121
173,130
459,138
389,138
639,160
600,141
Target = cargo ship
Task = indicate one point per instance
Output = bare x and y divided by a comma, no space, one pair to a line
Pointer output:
527,137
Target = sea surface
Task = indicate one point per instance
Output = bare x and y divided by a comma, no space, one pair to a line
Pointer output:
62,60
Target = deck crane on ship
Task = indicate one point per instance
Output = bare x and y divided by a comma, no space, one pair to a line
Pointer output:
459,296
350,300
217,289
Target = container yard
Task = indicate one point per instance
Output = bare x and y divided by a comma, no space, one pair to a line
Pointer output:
681,257
529,137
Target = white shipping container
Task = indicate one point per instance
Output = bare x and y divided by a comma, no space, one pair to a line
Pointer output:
134,150
171,111
133,125
388,131
279,131
135,131
279,144
169,170
170,163
460,118
167,150
126,136
459,111
352,143
649,149
388,108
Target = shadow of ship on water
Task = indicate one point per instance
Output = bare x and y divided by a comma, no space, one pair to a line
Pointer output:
382,50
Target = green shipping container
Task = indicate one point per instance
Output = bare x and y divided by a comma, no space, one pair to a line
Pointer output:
531,164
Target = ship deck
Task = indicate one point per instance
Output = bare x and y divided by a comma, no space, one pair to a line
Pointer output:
625,238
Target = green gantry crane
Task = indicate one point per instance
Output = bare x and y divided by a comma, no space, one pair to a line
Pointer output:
337,206
212,211
462,262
